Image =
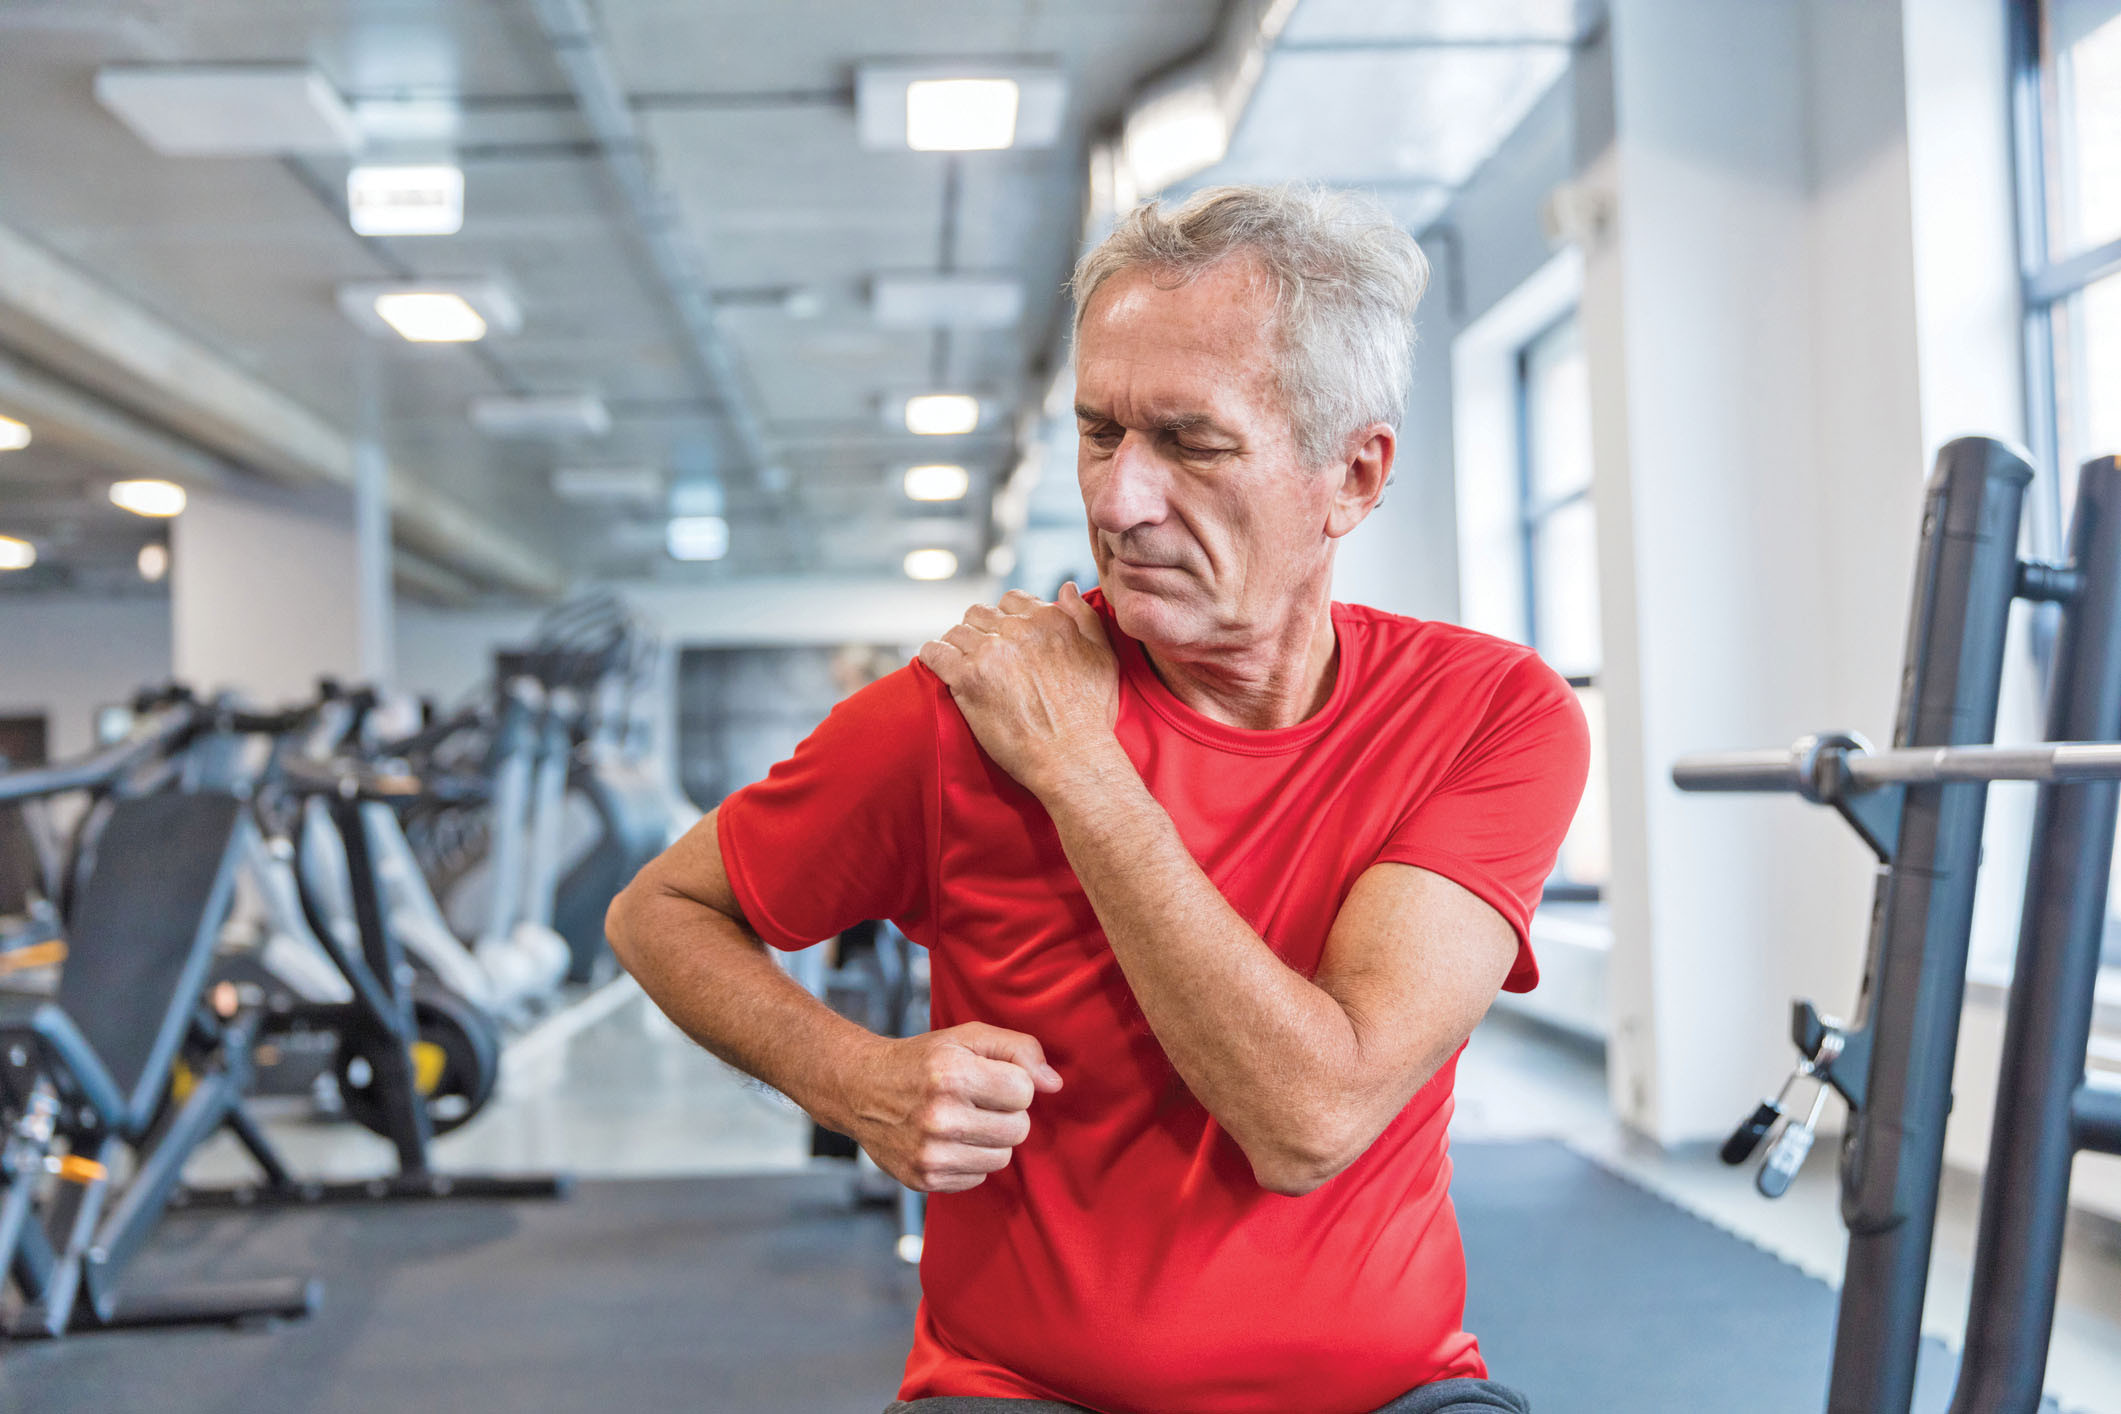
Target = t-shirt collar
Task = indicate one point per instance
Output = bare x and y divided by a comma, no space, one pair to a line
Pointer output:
1137,673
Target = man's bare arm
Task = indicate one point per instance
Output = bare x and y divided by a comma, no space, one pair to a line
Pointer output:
938,1111
1303,1072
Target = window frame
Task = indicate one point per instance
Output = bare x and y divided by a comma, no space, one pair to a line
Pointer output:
2043,281
1532,513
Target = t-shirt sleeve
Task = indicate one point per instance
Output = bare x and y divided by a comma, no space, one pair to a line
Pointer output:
1495,822
840,831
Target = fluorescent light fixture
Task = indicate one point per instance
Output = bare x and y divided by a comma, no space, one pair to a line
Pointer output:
938,482
16,554
1174,135
432,311
431,317
14,436
228,110
697,537
931,563
153,561
405,201
946,301
541,415
958,105
160,499
942,414
961,115
609,485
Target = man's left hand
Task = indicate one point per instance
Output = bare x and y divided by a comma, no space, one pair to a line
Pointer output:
1037,683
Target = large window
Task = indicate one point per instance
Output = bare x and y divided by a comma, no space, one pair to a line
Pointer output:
1560,557
2069,107
2069,171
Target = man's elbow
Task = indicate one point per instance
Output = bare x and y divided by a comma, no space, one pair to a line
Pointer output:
622,920
1306,1160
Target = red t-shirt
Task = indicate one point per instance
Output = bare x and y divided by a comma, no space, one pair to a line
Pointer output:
1127,1260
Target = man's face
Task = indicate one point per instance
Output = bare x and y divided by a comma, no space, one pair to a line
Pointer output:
1205,522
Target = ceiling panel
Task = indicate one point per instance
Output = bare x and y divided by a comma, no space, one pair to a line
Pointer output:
746,110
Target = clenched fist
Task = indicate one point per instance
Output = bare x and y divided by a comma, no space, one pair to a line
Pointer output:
946,1108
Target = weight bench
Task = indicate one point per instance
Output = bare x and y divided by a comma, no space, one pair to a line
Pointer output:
136,1051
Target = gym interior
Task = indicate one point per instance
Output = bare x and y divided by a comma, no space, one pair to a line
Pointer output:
447,447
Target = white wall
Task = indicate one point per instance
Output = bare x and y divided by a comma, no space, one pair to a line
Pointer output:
1760,470
67,655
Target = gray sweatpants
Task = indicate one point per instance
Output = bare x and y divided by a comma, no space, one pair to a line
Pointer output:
1449,1397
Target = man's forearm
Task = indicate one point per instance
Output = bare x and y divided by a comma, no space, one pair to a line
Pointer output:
717,982
1271,1055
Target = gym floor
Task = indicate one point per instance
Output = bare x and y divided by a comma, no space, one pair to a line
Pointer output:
609,1089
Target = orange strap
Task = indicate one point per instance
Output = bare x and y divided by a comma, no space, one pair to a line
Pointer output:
49,954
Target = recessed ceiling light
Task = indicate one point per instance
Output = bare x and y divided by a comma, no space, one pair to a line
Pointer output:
942,482
931,563
960,115
432,311
160,499
959,104
405,201
16,554
153,561
942,414
697,537
14,436
430,317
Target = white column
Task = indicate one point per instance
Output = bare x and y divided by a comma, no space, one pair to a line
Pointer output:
372,564
1760,464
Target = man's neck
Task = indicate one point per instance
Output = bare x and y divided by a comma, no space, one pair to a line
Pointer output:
1277,677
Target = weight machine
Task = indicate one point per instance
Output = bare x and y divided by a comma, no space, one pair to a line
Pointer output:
1920,806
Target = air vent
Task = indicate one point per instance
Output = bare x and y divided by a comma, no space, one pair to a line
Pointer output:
610,485
228,110
551,416
947,301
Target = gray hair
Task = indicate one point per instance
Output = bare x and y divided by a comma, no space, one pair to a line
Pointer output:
1346,280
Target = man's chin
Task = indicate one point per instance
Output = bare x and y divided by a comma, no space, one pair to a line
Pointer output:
1144,615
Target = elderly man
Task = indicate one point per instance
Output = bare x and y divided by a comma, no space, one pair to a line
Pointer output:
1216,876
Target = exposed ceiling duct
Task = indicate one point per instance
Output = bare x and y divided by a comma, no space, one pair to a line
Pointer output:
579,52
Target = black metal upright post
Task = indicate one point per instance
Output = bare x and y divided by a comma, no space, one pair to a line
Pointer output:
2025,1195
410,1129
1915,978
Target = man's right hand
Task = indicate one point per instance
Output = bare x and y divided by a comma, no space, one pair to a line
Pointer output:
942,1110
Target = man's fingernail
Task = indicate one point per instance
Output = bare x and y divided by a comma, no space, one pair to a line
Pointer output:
1050,1074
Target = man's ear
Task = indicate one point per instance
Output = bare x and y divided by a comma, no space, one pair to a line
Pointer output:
1364,472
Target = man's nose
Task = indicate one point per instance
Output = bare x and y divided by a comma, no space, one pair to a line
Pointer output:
1129,488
